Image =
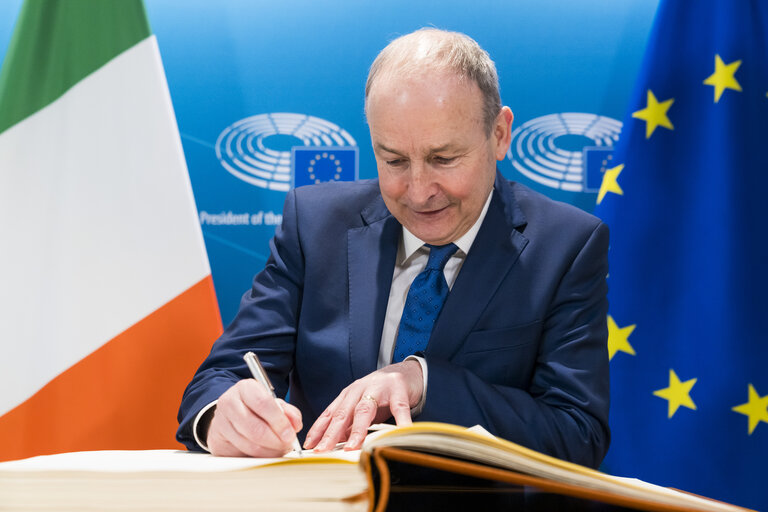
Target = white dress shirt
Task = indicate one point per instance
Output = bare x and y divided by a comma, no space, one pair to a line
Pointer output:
412,257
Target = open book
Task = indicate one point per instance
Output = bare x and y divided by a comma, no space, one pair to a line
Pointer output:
476,453
395,466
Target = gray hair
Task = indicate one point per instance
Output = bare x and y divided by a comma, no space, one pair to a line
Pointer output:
441,50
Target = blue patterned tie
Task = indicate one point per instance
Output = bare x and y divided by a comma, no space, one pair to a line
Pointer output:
423,304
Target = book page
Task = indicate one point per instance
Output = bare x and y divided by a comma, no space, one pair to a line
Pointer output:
118,461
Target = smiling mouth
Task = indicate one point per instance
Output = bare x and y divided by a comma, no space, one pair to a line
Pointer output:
430,213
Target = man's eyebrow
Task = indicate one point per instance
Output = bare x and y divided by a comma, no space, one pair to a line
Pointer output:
382,147
432,151
444,147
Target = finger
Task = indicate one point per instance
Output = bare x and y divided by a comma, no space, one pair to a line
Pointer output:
217,441
253,446
315,433
400,407
293,414
221,447
263,405
223,438
318,429
341,419
365,412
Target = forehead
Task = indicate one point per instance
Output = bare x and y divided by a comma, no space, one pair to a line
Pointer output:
428,105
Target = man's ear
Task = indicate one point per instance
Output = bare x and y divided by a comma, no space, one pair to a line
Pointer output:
502,132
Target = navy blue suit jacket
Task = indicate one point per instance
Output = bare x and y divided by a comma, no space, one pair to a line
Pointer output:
520,346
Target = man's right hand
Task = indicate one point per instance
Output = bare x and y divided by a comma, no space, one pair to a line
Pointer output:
248,421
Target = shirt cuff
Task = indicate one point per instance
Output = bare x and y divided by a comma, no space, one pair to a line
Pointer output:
201,424
416,410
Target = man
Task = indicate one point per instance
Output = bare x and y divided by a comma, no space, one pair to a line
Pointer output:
518,344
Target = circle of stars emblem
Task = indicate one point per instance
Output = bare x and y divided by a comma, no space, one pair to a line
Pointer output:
320,158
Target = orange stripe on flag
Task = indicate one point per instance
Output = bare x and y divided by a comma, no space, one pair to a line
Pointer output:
125,395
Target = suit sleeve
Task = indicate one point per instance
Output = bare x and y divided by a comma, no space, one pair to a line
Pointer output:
265,323
564,410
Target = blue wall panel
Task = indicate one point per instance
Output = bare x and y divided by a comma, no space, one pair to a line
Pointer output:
233,59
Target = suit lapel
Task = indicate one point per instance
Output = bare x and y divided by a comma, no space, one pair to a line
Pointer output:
371,253
494,252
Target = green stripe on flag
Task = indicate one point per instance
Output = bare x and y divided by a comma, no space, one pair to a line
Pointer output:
58,43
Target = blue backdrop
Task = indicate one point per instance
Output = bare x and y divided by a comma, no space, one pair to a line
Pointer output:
231,60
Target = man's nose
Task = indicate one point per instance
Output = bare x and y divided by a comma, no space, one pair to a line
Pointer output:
422,186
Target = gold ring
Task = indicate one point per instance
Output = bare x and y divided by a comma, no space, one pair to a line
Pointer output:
369,397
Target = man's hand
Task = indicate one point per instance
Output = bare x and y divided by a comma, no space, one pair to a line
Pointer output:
248,421
390,391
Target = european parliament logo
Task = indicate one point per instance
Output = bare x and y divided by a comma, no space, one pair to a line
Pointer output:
320,164
260,150
567,151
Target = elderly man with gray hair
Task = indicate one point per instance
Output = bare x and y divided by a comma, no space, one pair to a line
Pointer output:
439,292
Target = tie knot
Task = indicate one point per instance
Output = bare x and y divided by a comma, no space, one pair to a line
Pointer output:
439,255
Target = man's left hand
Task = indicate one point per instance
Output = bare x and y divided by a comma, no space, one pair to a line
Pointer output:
390,391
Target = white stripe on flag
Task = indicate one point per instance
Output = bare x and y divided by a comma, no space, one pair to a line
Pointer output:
97,220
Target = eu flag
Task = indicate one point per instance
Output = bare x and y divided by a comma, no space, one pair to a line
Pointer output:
318,164
686,198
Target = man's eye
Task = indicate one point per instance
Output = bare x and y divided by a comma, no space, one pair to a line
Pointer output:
398,162
442,160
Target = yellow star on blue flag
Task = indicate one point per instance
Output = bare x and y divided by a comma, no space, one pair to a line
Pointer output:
610,183
724,77
655,114
618,338
756,409
677,393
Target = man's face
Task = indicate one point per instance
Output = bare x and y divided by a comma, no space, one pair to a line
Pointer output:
435,159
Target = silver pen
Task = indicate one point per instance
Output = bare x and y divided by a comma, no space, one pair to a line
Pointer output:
258,372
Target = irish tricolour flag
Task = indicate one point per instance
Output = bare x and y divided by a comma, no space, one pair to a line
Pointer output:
106,299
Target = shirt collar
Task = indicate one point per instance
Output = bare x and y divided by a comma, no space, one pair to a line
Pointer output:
411,243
